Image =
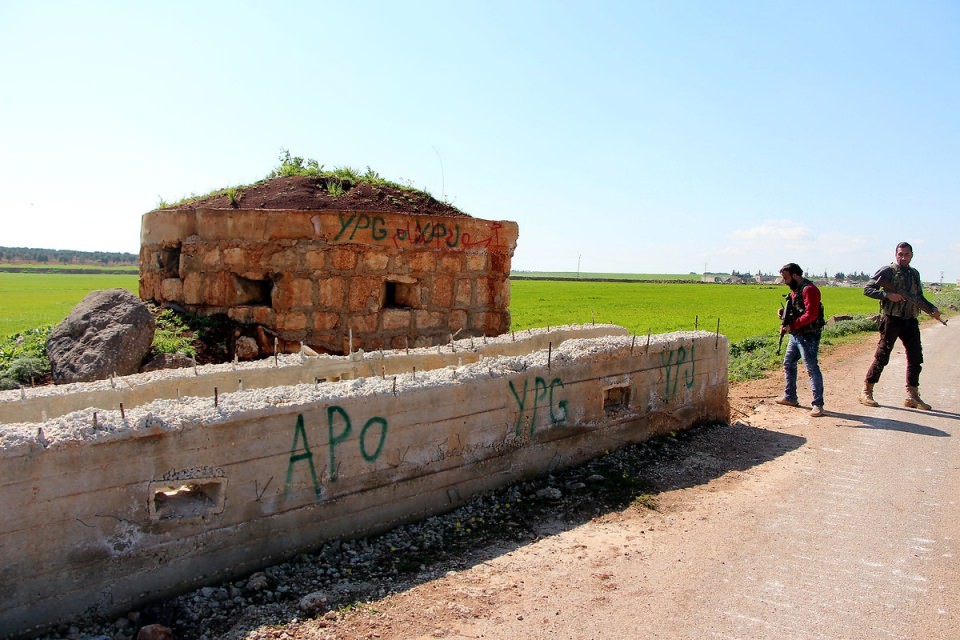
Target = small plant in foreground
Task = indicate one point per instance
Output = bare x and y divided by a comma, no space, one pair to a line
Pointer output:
25,370
646,501
235,195
172,335
31,343
334,186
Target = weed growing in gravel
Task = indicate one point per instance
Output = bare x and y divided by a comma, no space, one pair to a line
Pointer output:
646,501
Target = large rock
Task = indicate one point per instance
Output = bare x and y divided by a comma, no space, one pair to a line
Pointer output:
108,332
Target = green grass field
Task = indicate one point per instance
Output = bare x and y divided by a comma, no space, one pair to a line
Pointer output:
747,314
572,275
743,310
29,300
70,268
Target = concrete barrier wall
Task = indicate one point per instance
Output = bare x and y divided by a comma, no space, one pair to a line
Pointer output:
182,492
42,403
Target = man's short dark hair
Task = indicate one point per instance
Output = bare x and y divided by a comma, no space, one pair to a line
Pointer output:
793,268
905,245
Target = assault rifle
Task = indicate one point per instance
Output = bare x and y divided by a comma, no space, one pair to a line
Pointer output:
888,286
785,319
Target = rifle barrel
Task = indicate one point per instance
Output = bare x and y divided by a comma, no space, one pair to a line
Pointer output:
887,286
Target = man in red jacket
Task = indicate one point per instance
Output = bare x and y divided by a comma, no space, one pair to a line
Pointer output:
805,327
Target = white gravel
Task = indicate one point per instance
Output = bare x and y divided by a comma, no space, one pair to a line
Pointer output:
92,424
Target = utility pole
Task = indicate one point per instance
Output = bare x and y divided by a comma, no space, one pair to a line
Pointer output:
578,265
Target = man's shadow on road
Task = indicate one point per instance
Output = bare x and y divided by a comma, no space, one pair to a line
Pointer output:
875,422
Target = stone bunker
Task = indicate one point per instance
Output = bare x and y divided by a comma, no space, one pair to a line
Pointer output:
333,280
122,491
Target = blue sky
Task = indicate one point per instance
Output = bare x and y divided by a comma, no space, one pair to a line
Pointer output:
638,137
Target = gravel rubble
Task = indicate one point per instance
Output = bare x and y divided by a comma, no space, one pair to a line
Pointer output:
172,414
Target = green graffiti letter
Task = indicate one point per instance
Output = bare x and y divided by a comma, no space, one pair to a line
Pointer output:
539,393
666,361
363,222
335,440
520,403
453,238
378,232
344,225
561,405
673,370
370,457
299,432
439,232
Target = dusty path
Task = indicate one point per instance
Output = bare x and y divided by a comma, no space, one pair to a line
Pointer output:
846,526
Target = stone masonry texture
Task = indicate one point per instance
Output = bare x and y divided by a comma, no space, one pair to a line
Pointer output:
333,280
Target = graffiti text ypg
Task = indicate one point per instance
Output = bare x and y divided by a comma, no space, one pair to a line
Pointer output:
423,232
542,391
684,364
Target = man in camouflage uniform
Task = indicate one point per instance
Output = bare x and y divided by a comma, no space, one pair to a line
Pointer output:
900,292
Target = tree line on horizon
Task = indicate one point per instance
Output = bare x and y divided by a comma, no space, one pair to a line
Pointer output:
66,256
848,277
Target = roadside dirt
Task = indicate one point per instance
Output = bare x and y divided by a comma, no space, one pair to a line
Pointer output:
570,569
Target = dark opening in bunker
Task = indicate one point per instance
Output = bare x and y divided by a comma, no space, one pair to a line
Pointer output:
401,295
169,261
248,291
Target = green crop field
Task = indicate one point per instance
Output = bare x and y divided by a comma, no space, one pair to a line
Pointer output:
743,310
70,268
747,314
29,300
572,275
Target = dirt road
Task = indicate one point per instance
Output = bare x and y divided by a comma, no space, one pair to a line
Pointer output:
845,526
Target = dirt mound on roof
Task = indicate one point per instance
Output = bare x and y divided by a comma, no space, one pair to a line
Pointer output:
319,192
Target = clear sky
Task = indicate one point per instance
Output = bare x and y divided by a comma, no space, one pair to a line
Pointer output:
639,136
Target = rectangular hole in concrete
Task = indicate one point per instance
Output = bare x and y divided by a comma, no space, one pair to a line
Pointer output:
194,498
616,399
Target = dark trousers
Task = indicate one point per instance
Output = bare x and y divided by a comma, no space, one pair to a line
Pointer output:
908,332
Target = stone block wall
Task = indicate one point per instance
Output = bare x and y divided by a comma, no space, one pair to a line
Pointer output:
334,279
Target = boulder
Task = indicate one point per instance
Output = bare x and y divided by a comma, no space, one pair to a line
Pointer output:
109,332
